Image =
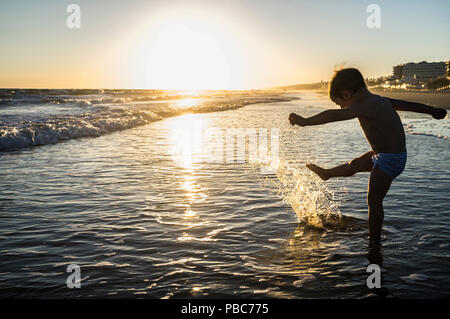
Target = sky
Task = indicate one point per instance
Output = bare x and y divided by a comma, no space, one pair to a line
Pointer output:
212,44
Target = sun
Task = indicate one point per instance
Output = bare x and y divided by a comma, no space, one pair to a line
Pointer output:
186,57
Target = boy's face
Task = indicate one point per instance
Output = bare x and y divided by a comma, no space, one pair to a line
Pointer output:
344,101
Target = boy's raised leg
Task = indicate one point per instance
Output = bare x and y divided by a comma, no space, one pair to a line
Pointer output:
360,164
379,184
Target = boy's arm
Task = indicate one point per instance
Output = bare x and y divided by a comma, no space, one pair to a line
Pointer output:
324,117
401,105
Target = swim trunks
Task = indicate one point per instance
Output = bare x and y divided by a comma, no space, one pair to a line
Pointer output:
392,164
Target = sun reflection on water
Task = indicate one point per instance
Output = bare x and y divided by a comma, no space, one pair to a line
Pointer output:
189,213
186,103
186,139
185,134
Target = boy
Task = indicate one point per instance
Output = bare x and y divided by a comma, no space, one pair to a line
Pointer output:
383,130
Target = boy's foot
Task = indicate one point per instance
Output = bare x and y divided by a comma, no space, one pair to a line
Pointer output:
319,171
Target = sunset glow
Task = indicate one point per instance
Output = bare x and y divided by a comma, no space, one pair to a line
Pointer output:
201,44
186,58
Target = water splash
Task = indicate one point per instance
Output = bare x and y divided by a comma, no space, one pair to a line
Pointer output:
311,200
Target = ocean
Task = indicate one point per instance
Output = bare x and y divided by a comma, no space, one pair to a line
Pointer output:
170,194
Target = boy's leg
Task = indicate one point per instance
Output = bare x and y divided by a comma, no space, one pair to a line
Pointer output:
379,184
360,164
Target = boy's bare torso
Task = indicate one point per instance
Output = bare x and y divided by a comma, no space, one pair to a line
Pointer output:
381,124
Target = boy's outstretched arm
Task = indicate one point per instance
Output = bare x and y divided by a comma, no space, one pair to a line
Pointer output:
323,117
401,105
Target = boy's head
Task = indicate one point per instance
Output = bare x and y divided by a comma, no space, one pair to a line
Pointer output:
344,84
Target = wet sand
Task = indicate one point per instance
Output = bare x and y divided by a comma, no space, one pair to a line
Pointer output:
430,98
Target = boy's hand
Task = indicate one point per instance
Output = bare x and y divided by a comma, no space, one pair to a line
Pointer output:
438,113
296,119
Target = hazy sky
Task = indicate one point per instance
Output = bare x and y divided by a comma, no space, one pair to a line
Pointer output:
212,43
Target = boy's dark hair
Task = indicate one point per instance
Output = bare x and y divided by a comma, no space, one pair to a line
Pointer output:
349,79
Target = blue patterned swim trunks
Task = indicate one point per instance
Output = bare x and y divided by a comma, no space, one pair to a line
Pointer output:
392,164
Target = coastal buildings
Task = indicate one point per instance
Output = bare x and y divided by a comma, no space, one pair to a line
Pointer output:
397,71
422,75
422,71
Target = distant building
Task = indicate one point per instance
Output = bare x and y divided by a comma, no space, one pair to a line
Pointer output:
397,72
424,71
447,66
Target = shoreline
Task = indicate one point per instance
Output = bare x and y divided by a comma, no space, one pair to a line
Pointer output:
430,98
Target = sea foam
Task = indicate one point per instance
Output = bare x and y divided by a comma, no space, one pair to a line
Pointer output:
40,117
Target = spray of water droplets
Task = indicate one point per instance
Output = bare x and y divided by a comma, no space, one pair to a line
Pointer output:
308,196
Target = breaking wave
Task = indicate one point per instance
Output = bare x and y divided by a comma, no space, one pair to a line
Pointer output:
54,130
40,117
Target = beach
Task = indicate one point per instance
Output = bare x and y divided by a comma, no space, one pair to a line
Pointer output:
129,193
429,98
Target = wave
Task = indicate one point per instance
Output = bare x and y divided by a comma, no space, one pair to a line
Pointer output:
17,133
18,97
55,130
412,129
